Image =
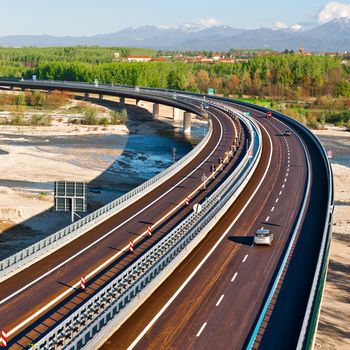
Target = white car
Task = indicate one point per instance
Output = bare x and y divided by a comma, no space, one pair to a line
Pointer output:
263,236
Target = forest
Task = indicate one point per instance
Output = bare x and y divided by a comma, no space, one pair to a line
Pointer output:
314,89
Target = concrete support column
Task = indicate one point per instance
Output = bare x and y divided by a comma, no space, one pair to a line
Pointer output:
187,122
100,96
86,95
122,102
155,110
177,114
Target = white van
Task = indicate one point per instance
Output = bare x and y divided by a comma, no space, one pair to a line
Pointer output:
263,236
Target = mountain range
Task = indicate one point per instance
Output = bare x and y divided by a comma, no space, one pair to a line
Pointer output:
328,37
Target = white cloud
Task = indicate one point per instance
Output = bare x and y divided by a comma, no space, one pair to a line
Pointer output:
200,24
282,25
208,22
334,10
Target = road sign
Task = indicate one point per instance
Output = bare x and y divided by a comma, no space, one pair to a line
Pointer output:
197,208
70,196
149,230
247,114
330,154
34,77
96,82
131,246
250,153
187,201
210,91
137,89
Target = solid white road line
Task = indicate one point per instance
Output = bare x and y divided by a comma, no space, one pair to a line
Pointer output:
220,300
124,249
234,277
245,258
201,330
174,296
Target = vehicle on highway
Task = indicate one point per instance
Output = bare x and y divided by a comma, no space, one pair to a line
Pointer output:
268,114
263,236
286,133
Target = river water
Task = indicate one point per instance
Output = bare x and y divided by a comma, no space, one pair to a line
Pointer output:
142,157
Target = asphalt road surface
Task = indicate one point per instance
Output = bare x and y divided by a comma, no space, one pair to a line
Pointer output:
216,306
35,299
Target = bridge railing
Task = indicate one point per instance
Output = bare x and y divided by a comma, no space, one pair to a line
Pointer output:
46,246
311,317
128,290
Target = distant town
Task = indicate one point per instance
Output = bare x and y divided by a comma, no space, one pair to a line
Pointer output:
232,56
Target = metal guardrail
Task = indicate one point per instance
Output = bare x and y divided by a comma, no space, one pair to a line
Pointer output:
112,301
309,327
44,247
311,316
308,331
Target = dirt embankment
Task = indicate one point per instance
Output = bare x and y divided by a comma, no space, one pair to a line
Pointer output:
334,325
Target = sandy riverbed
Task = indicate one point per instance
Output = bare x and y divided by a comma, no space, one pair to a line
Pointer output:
31,158
333,330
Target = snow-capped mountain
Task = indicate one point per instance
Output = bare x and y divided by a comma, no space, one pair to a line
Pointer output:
206,34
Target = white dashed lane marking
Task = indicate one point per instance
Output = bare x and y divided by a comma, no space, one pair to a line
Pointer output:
245,258
220,300
234,277
201,330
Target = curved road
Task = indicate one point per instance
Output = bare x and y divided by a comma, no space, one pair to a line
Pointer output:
27,309
218,306
212,300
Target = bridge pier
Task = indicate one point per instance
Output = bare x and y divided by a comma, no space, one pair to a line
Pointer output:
177,115
156,110
187,122
100,96
122,102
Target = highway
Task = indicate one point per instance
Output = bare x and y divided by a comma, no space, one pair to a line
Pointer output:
217,297
218,306
52,296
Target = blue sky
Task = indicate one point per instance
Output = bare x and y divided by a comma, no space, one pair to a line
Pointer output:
89,17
